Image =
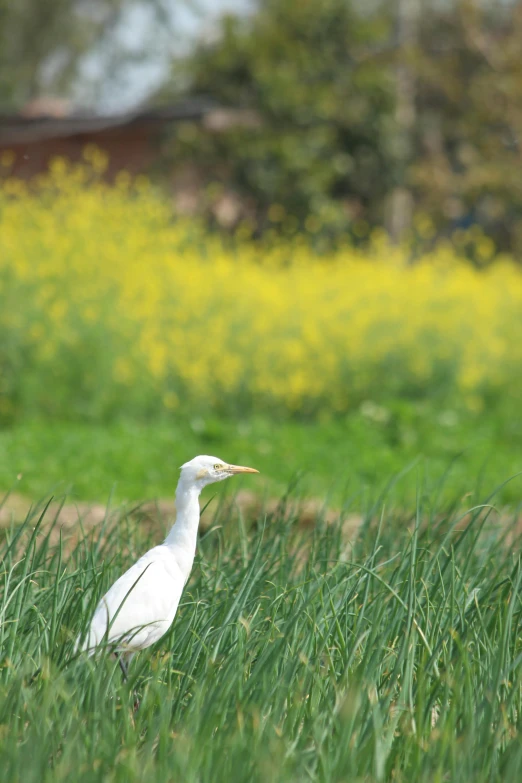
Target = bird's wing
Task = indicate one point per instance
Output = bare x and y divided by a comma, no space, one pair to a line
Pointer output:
140,605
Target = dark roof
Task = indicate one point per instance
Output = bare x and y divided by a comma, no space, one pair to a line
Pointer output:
20,129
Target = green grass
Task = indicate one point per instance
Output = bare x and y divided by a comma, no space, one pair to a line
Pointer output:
140,461
295,656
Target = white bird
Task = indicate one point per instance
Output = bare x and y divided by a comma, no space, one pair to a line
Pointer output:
141,605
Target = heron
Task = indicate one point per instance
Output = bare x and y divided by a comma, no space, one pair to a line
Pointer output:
141,605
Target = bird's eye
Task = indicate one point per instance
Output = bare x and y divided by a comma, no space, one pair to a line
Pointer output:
218,467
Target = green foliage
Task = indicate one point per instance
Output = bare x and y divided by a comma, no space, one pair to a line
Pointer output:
294,656
469,119
363,107
137,461
324,108
43,45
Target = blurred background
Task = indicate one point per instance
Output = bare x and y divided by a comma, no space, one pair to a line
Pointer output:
288,232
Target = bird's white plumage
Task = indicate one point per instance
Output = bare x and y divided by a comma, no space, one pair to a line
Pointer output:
140,606
145,598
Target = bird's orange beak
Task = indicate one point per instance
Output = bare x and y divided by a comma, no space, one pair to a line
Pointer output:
240,469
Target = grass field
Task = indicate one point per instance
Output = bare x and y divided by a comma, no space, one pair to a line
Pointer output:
345,457
296,655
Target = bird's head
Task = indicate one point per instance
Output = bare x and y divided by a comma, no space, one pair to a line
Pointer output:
205,470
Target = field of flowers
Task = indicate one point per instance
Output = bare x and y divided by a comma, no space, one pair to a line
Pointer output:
110,304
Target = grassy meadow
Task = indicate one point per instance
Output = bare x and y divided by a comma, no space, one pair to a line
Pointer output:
463,453
381,641
296,654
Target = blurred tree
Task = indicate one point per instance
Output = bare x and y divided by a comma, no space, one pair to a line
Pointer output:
43,43
401,201
406,114
466,171
370,113
313,72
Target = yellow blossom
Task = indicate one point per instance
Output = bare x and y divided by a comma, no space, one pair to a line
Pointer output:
107,278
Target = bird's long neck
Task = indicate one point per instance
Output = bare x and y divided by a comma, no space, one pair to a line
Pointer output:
183,535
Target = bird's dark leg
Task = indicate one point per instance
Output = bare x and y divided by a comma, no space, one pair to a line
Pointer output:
123,667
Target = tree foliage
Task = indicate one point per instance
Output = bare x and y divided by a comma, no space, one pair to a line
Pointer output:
466,169
43,44
403,114
324,104
333,82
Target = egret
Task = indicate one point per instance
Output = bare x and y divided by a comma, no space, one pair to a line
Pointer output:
141,605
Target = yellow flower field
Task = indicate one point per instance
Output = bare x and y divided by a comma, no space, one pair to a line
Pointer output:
109,303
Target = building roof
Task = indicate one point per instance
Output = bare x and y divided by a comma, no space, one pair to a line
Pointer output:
24,129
